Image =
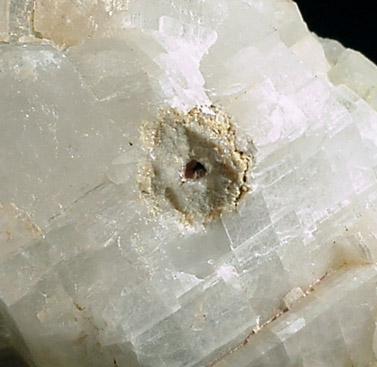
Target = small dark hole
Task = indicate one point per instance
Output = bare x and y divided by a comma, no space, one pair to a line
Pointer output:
194,170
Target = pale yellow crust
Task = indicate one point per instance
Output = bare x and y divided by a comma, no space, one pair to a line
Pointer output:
206,135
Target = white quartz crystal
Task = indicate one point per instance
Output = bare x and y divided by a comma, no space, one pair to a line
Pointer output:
91,277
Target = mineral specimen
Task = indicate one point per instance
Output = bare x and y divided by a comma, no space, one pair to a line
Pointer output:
275,264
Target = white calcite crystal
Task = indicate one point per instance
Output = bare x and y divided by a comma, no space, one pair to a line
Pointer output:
90,276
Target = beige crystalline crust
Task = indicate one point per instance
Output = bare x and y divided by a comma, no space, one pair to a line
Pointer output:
193,164
65,22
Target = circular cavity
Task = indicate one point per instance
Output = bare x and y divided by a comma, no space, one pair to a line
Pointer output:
194,170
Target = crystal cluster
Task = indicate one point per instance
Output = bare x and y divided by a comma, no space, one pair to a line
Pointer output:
89,277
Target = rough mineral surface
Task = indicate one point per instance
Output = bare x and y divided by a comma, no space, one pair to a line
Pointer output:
90,278
193,165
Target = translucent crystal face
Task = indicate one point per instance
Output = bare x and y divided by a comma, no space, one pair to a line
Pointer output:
228,116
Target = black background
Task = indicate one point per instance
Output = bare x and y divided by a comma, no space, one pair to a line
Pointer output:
351,22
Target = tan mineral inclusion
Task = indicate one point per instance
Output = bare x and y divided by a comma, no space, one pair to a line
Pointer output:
227,116
193,165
